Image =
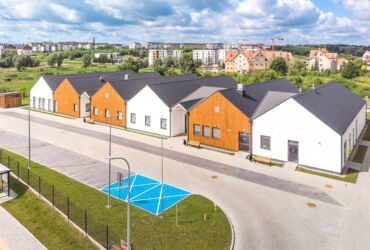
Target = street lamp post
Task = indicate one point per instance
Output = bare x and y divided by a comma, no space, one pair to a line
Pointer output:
110,154
128,197
29,134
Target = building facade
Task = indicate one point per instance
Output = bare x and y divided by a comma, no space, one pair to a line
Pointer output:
366,59
163,54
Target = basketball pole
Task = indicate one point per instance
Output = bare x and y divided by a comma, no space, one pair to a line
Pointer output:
162,177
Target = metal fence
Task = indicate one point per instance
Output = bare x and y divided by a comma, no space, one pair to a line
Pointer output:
74,213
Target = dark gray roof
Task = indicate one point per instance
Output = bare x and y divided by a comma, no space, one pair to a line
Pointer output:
333,104
173,93
248,99
143,75
188,104
54,80
128,88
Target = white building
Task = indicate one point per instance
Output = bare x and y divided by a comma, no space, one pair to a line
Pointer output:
366,59
161,54
317,128
24,50
206,56
134,45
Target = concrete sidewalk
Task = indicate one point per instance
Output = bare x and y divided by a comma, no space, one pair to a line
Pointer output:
14,236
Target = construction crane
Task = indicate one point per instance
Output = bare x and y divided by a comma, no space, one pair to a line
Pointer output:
273,39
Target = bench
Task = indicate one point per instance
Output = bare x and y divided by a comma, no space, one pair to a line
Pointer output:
194,144
90,121
263,159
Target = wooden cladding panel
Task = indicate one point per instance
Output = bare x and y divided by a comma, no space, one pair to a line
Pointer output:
108,98
66,97
229,120
10,100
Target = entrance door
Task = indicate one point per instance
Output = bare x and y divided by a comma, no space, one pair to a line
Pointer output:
244,142
293,151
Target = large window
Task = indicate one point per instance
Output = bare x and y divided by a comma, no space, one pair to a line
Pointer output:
147,120
206,131
345,150
49,105
265,142
196,131
119,115
216,133
34,102
88,107
95,111
133,118
107,113
163,123
75,107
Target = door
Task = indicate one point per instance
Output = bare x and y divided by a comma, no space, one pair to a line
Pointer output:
244,141
293,151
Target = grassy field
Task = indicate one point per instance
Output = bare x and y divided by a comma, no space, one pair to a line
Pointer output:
148,231
36,215
351,175
360,154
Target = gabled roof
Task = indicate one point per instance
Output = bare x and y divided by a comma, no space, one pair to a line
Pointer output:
172,94
248,99
129,88
198,95
53,81
333,104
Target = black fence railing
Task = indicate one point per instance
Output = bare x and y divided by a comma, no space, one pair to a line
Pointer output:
74,213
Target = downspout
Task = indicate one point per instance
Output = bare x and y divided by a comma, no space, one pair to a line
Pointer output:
170,122
251,142
188,122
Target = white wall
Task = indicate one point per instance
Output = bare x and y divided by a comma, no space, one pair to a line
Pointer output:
146,102
84,99
177,122
352,134
41,90
319,145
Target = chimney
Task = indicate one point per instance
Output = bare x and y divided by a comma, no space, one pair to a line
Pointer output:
313,87
300,90
240,86
101,78
126,76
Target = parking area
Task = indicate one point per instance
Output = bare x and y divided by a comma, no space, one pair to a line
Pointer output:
267,205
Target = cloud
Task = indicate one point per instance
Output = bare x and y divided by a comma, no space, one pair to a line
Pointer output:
298,21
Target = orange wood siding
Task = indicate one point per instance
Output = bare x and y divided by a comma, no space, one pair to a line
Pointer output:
66,96
229,120
108,98
10,100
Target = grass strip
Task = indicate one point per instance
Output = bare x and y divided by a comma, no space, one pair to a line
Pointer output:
351,175
360,154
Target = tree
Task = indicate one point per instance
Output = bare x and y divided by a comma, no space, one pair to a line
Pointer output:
188,65
298,65
52,59
86,60
350,70
19,63
131,64
279,65
59,59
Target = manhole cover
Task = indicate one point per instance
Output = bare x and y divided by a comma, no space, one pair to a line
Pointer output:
328,186
310,204
214,177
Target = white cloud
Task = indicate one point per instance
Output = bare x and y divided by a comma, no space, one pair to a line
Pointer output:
65,13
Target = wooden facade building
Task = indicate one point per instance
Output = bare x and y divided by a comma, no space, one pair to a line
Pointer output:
10,100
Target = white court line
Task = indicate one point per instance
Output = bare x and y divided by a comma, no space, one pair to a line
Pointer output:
171,196
132,184
159,200
138,185
145,191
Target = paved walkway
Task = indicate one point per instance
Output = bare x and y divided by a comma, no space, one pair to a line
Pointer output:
80,168
14,236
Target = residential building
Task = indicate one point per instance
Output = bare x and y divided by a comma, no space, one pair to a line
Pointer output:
7,47
256,46
161,54
321,59
244,61
223,119
134,45
366,59
113,97
317,128
10,99
24,50
207,57
161,113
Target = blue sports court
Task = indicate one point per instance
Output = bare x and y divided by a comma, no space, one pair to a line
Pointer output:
147,193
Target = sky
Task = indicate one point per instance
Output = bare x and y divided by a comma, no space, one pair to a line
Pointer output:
228,21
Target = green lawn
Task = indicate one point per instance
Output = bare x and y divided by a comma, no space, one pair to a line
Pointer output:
148,231
351,175
46,224
360,154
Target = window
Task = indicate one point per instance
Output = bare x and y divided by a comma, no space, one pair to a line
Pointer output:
345,151
147,120
216,133
119,115
55,106
350,140
206,131
106,95
75,108
95,111
196,131
106,113
217,109
163,123
87,107
49,105
265,142
133,118
34,102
